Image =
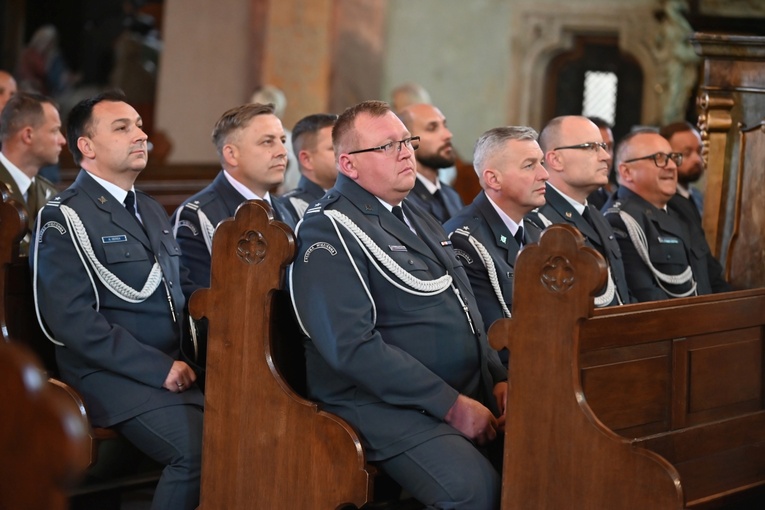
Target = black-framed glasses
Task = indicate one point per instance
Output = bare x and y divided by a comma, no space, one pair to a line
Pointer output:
589,146
413,142
661,159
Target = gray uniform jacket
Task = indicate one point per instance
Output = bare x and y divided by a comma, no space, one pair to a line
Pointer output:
219,200
671,248
389,362
117,354
300,198
688,212
599,235
481,221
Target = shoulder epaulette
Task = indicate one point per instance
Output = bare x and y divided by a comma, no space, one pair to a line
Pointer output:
61,197
615,208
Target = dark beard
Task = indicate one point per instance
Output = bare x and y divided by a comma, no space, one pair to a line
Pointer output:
688,179
436,161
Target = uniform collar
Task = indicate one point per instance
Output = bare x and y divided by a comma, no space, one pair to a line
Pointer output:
244,190
507,220
576,205
113,189
23,181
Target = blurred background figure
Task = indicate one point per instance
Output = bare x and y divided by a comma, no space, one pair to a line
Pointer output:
685,139
7,88
408,94
42,68
599,197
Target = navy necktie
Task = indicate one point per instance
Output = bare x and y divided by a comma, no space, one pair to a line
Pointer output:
398,212
519,235
130,206
586,215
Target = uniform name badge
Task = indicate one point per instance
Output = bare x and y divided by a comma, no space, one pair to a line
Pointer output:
114,239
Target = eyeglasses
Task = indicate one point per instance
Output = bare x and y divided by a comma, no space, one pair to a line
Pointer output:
661,159
589,146
411,143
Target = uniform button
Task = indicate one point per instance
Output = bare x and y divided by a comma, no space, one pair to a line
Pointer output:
171,285
411,262
127,254
669,257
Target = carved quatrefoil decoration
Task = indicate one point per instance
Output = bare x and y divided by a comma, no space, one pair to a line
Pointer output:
558,275
252,247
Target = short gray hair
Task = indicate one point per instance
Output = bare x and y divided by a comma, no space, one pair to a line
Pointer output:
494,140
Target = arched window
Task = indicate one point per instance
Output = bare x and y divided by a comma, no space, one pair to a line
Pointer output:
595,79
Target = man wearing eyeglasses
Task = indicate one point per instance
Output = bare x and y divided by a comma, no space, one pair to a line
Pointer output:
663,258
578,162
435,152
686,140
397,349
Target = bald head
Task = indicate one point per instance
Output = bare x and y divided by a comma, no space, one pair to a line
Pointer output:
407,94
7,88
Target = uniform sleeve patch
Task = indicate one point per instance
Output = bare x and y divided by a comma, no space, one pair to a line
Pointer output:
319,246
51,224
463,255
188,225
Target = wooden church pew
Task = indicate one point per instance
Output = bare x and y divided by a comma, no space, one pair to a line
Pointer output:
43,436
655,405
265,445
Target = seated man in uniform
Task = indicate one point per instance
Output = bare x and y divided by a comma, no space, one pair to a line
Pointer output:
108,282
488,233
398,350
578,161
661,256
312,144
250,144
436,152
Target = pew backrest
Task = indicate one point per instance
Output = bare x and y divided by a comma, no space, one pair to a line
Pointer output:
265,445
43,436
654,405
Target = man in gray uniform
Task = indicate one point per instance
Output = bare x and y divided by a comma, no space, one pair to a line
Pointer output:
250,142
489,233
662,257
312,143
578,162
398,349
108,279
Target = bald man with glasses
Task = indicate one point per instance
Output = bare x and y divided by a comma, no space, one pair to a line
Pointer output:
663,258
578,162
